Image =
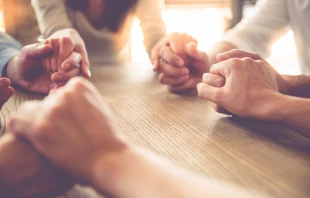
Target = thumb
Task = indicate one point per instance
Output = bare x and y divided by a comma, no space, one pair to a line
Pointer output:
85,66
196,54
37,50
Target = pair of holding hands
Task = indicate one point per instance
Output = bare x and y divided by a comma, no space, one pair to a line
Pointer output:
236,84
42,67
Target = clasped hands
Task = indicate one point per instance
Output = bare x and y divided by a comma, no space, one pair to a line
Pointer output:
236,84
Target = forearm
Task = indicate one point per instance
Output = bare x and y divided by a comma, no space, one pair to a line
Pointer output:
297,85
23,173
141,174
291,111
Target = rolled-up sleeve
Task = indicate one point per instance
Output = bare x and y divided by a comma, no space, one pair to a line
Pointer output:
9,48
150,14
258,33
51,15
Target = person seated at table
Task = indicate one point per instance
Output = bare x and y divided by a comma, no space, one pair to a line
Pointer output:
272,19
88,145
244,84
26,68
99,29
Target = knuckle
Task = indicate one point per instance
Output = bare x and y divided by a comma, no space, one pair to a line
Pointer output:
235,63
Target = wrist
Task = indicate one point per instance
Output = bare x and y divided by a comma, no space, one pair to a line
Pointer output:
111,169
274,110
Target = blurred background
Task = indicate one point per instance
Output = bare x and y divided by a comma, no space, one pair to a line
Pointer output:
18,19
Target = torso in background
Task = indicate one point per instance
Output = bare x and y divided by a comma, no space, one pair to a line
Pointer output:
20,20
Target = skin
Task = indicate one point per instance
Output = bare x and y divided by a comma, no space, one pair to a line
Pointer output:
96,152
6,91
180,63
245,85
66,42
38,177
28,69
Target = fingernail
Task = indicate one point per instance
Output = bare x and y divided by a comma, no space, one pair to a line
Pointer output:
88,73
180,63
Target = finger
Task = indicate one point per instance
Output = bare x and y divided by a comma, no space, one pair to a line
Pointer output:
237,53
224,68
62,76
6,95
65,50
211,93
214,80
46,60
182,87
170,57
194,53
4,83
85,67
54,58
170,70
220,109
37,50
21,123
168,80
155,53
73,61
155,65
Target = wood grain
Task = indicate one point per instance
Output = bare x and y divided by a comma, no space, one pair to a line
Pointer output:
265,157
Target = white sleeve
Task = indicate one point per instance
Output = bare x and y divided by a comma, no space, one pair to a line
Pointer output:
51,15
258,33
150,14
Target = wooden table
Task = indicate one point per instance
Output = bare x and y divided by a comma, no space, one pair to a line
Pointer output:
265,157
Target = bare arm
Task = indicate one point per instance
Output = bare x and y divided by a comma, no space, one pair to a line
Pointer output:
37,178
154,178
292,111
298,85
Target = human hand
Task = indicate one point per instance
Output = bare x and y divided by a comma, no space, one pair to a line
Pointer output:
250,87
28,71
82,130
64,42
237,53
219,81
6,91
179,62
25,174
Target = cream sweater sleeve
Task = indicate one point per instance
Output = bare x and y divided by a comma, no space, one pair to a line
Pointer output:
258,33
150,14
51,15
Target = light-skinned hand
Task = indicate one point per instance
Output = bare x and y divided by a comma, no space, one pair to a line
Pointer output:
64,43
6,91
73,127
249,86
26,174
219,81
28,70
179,62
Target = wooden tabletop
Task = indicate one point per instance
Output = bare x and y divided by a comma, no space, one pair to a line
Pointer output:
183,128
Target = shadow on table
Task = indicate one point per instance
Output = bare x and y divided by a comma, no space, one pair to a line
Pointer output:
278,134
